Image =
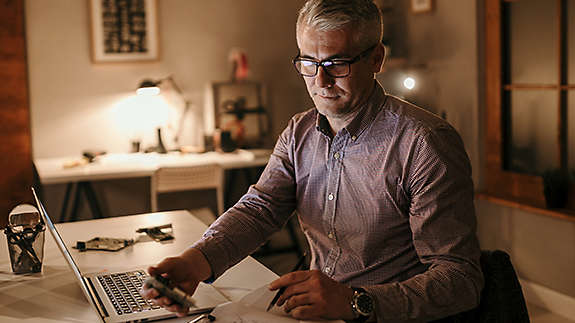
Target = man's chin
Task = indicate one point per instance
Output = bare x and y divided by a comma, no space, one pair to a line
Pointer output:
331,111
326,102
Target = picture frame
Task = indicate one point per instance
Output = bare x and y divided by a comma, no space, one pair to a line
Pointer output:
223,102
421,6
124,31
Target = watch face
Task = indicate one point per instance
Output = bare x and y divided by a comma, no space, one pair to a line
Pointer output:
364,304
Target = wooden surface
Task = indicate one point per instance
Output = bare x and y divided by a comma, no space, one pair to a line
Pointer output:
15,150
563,214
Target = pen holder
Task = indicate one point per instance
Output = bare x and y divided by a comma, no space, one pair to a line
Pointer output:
25,236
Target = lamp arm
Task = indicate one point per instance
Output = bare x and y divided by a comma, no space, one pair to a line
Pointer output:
181,125
174,85
186,108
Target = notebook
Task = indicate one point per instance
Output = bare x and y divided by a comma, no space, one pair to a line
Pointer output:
115,295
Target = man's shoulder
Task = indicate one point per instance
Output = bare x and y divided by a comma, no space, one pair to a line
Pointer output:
406,115
305,119
305,116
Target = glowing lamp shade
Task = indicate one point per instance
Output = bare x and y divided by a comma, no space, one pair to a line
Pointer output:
148,88
409,83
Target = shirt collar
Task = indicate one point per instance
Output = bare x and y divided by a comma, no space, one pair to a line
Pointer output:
364,117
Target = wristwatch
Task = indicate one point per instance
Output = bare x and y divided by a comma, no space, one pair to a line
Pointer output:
362,305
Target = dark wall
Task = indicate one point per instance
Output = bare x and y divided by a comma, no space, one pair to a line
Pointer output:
15,144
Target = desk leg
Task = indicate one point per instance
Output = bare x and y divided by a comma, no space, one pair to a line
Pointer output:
64,211
76,204
231,177
252,175
229,180
86,188
92,200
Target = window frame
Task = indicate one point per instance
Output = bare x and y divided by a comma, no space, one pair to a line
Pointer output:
502,184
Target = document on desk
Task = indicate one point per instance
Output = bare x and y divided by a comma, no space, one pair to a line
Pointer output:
252,309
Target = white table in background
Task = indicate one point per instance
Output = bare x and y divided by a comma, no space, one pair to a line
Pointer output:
124,166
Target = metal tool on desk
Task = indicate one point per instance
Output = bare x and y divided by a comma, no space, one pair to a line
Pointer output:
104,243
158,233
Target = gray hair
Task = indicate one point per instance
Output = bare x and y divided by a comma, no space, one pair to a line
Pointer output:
362,15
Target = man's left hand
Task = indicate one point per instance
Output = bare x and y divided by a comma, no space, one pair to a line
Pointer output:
311,295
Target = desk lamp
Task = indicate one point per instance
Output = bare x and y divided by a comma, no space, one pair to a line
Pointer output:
152,87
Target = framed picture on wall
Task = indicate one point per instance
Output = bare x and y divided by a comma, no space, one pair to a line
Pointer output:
237,107
124,30
420,6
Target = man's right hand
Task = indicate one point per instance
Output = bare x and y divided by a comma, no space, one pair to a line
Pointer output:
185,271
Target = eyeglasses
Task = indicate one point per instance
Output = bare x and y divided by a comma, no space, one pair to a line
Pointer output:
333,67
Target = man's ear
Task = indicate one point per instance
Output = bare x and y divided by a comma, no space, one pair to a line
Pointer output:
378,58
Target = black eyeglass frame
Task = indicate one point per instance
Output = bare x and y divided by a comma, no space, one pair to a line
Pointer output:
328,62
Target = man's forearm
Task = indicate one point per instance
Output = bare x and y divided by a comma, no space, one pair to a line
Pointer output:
442,291
197,259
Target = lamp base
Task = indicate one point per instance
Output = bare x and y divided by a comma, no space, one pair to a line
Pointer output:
160,148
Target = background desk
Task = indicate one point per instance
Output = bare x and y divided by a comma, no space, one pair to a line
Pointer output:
129,166
55,296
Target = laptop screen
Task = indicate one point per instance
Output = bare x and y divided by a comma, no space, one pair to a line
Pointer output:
62,247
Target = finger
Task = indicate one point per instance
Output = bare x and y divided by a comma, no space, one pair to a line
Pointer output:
153,271
178,309
296,301
305,312
149,293
289,279
164,301
293,290
165,266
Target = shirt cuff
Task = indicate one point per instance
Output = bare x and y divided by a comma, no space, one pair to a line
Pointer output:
215,254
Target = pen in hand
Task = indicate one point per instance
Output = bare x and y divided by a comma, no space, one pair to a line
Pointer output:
282,290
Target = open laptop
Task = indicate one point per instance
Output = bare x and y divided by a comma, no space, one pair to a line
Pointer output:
115,295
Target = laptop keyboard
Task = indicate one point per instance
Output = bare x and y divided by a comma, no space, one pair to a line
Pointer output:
123,291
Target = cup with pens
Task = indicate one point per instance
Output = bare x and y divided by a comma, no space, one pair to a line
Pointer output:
25,236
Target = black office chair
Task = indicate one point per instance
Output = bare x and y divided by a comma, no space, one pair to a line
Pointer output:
502,299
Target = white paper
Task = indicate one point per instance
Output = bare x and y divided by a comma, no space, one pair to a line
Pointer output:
252,309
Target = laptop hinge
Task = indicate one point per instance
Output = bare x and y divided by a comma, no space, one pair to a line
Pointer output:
95,298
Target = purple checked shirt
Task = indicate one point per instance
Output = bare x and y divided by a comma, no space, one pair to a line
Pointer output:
386,204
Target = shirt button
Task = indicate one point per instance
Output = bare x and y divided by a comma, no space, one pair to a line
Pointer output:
353,137
326,270
330,235
330,196
336,155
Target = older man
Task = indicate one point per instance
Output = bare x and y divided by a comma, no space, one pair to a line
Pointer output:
382,190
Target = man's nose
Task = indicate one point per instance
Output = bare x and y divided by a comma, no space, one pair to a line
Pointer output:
322,79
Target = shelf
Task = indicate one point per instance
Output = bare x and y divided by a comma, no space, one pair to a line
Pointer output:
563,214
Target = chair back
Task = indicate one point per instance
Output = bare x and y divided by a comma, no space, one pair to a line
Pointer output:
501,299
174,179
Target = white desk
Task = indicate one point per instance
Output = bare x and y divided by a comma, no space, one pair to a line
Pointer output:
55,296
119,166
123,166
